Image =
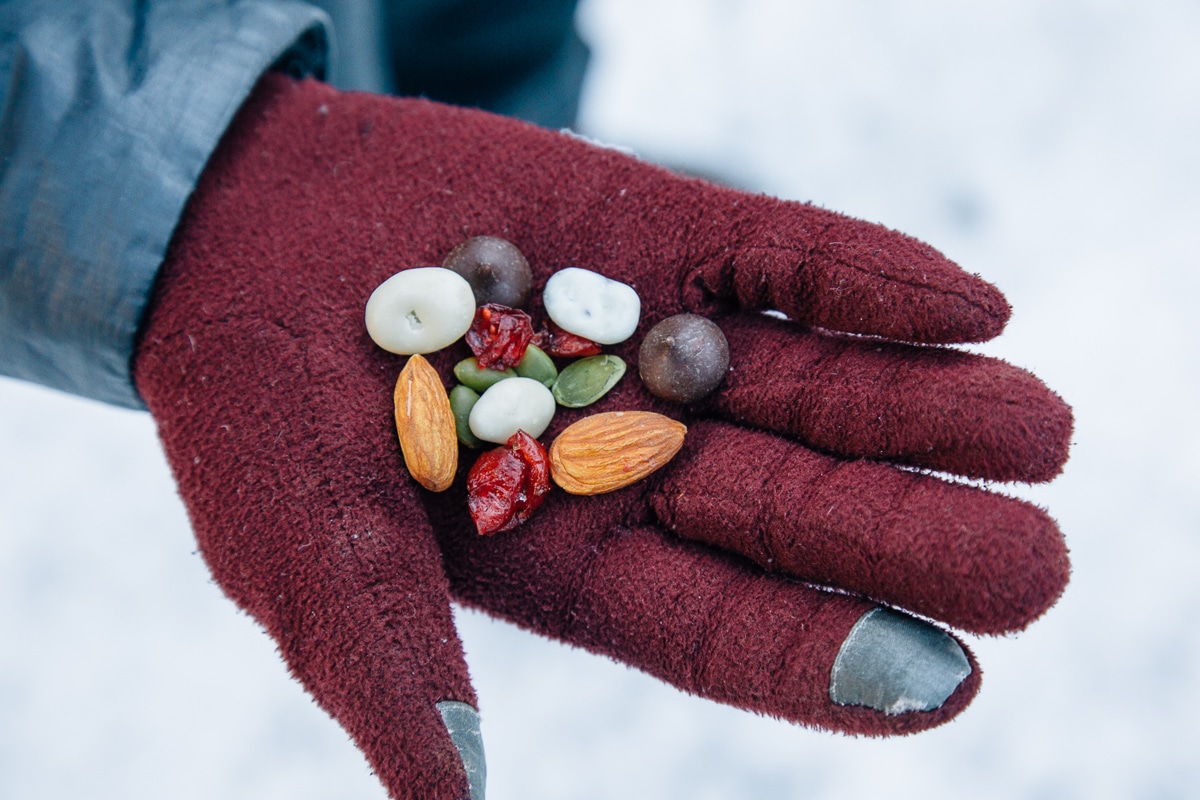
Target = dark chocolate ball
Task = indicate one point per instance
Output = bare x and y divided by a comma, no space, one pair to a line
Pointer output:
683,358
495,268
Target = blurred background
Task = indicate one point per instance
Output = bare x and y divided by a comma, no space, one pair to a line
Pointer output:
1052,147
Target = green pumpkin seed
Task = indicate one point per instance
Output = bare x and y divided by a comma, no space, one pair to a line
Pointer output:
462,400
587,380
537,365
471,375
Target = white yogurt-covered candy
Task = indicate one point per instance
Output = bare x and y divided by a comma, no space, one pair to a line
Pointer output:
508,406
420,310
590,305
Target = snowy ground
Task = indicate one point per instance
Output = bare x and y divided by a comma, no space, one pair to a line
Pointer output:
1051,147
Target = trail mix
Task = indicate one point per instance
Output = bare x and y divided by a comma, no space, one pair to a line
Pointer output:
510,388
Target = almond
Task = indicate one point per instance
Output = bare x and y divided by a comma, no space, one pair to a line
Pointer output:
425,425
606,452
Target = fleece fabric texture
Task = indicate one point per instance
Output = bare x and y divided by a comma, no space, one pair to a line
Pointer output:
274,408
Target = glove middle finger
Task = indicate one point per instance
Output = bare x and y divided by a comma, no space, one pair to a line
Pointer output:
971,558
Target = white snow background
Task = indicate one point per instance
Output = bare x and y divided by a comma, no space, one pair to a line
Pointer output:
1053,148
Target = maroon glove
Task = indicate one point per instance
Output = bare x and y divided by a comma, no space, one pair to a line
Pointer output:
275,410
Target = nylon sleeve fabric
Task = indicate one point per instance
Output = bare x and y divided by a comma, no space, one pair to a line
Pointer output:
108,113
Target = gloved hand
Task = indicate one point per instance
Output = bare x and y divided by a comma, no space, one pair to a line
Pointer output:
275,409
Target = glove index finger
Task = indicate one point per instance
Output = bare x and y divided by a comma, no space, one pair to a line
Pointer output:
831,271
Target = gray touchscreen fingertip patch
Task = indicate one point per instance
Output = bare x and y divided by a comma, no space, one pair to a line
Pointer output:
895,663
462,723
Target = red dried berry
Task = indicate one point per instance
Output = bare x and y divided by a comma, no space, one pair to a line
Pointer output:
506,485
499,335
492,488
561,344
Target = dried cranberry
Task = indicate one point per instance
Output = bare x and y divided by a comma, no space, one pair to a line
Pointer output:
507,484
499,335
561,344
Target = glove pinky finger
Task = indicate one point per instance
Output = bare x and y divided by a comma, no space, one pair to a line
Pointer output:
842,274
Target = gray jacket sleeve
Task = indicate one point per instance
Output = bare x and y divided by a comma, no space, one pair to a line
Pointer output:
108,112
